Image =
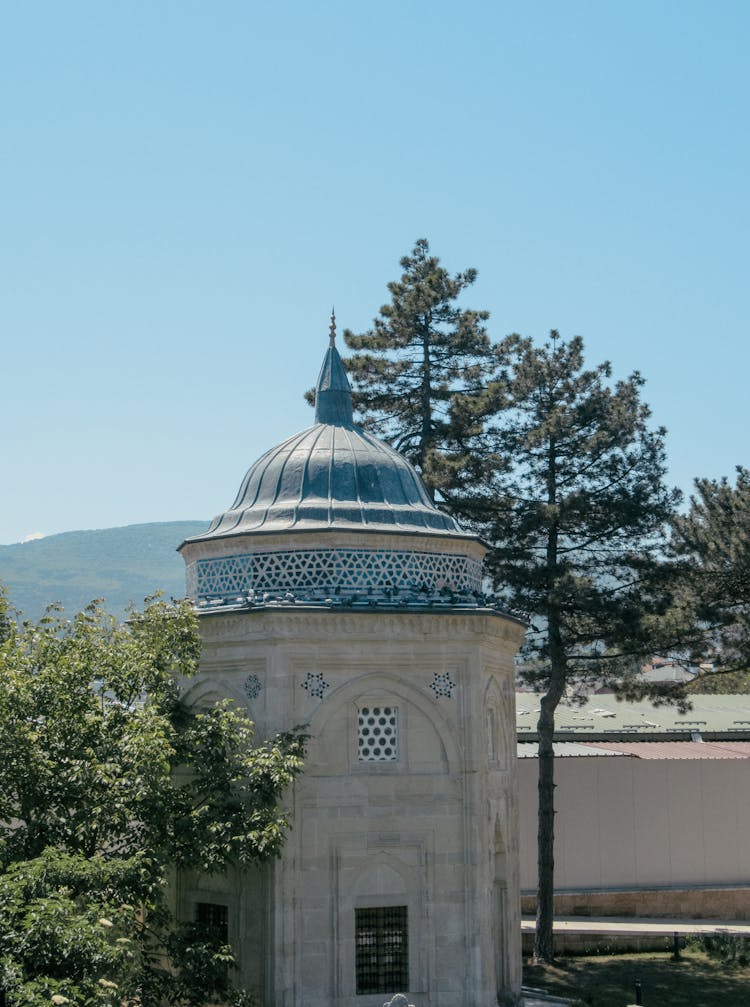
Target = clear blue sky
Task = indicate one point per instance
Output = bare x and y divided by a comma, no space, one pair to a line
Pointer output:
185,188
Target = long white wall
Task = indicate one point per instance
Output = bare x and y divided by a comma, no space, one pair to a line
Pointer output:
623,822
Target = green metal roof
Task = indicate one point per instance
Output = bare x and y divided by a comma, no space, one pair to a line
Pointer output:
603,716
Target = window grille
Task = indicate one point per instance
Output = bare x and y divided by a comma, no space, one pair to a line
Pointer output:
377,734
214,916
382,949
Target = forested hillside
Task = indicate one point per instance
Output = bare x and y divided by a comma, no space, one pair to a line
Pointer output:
118,564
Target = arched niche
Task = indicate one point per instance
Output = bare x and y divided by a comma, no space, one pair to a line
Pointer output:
496,726
426,740
382,876
382,879
203,693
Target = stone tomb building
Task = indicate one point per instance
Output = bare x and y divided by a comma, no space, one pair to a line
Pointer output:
334,594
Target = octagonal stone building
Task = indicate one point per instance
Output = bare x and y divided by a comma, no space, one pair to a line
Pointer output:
335,594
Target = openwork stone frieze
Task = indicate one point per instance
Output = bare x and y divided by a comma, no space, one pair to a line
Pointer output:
319,573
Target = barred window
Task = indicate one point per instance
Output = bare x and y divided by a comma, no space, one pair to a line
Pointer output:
382,949
214,916
377,734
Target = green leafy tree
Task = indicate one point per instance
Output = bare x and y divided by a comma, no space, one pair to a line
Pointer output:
712,547
108,784
422,353
574,503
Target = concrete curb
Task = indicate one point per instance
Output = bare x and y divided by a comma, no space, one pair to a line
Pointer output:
639,926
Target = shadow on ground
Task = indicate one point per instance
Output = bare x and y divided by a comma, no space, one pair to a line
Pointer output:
610,981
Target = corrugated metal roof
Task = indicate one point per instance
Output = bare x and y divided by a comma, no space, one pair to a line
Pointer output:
678,749
669,673
604,714
743,747
562,749
666,750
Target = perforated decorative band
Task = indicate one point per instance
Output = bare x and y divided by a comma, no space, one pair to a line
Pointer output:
317,573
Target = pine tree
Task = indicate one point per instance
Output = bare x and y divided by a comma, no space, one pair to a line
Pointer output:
712,546
422,353
574,502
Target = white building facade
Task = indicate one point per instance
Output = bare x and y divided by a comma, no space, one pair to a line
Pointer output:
335,595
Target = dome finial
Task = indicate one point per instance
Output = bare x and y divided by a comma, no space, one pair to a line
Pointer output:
333,395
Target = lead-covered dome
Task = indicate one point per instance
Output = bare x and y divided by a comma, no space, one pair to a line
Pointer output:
332,512
331,477
334,475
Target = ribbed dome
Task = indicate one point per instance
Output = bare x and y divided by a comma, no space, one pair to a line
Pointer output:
331,476
331,516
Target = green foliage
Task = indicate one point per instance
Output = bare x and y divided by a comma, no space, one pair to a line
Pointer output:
63,927
731,949
422,354
712,547
719,683
5,615
574,503
107,784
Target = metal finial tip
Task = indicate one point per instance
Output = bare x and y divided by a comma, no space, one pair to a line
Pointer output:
332,329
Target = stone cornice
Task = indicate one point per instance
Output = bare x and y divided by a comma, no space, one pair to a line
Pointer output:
428,542
327,625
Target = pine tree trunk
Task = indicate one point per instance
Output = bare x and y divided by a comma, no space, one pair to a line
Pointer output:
426,408
543,939
544,948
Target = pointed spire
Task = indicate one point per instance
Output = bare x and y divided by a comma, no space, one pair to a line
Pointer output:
333,395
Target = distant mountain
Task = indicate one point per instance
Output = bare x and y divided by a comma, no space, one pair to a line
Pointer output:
121,565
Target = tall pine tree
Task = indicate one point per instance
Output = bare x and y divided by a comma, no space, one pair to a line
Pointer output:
422,352
553,464
712,546
574,502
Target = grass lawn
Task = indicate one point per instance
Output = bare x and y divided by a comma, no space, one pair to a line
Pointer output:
609,980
